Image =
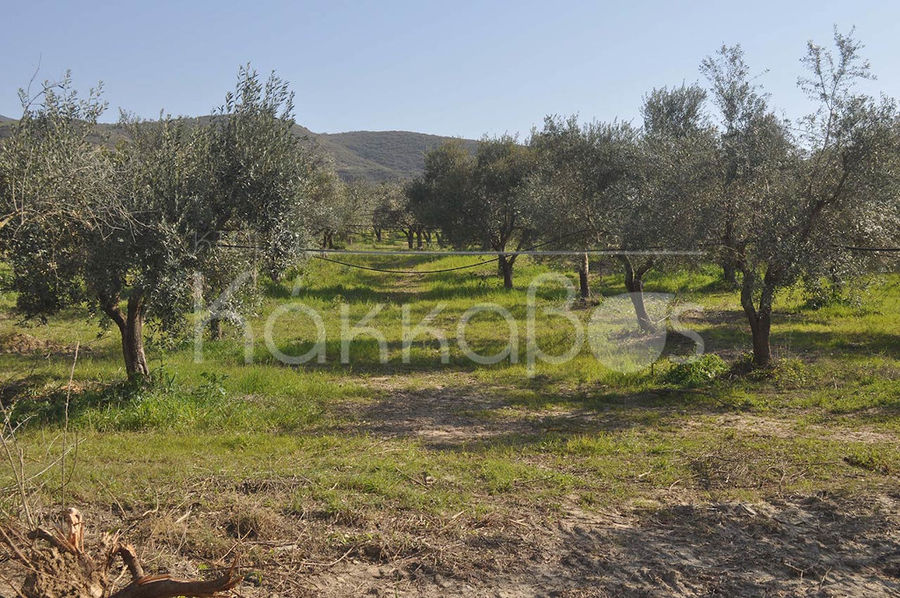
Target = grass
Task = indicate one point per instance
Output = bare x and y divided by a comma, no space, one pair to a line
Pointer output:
364,444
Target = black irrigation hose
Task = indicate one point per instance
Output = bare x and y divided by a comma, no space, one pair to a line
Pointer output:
414,272
467,266
409,272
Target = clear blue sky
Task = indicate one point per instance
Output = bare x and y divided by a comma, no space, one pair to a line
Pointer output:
455,68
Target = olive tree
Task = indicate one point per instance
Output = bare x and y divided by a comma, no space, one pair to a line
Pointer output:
261,171
749,131
582,172
393,209
325,191
480,201
659,211
446,182
124,230
817,196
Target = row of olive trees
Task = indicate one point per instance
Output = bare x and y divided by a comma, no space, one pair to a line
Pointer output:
125,229
772,201
347,209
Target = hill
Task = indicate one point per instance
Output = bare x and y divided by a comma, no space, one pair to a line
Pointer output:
368,155
382,155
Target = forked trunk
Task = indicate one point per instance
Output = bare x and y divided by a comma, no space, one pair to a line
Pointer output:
634,284
131,329
583,272
760,319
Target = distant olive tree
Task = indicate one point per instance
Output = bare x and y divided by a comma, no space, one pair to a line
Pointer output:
480,201
446,182
393,210
582,173
749,133
325,191
661,208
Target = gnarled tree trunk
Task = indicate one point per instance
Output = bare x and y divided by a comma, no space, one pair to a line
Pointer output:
505,266
131,329
634,284
760,318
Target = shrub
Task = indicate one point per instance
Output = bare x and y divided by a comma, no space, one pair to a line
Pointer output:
697,372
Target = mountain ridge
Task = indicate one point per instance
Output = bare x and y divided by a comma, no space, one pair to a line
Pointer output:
373,156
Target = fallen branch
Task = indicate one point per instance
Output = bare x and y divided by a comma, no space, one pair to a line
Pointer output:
58,564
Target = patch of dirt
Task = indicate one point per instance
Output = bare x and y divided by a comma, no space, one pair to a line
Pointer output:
444,417
766,426
20,343
804,546
795,546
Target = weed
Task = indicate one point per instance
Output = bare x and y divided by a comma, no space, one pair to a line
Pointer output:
698,372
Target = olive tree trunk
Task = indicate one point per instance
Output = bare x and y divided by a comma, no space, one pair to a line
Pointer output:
131,329
729,272
634,284
584,269
505,267
760,318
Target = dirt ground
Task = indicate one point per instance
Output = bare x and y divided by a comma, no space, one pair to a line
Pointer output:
676,545
799,546
805,546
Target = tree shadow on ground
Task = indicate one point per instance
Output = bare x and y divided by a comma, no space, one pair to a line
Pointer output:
797,546
470,418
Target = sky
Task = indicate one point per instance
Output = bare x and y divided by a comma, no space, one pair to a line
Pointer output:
455,68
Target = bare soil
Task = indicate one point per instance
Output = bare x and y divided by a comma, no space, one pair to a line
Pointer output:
797,546
676,545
